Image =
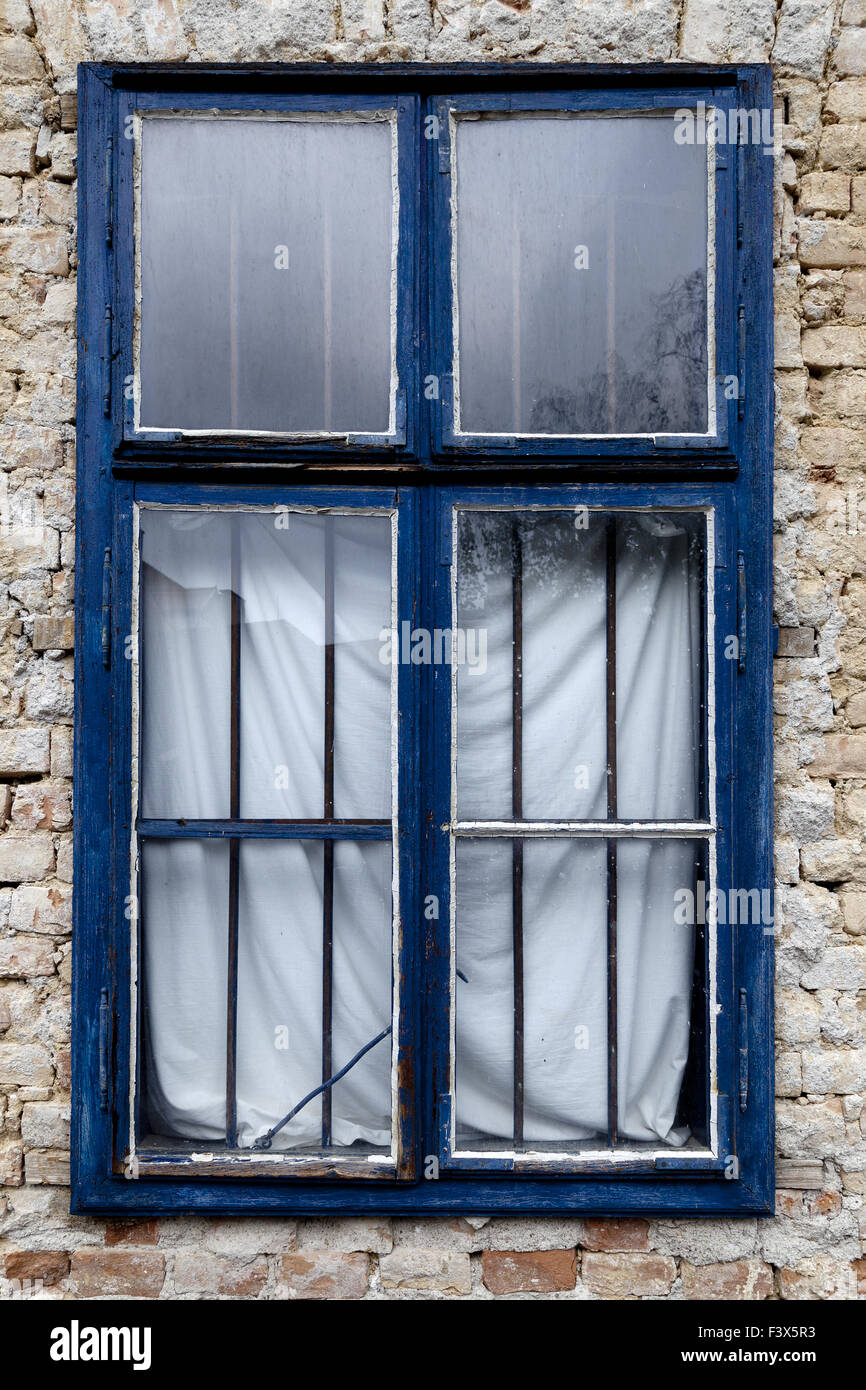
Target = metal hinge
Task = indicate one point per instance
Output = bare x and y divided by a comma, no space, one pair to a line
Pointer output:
109,192
744,1050
742,613
446,549
106,361
106,607
444,140
104,1039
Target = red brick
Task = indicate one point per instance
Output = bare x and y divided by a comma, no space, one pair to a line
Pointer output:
628,1275
50,1266
517,1271
599,1234
131,1233
329,1274
117,1273
739,1279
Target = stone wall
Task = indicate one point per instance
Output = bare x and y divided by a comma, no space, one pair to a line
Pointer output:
813,1247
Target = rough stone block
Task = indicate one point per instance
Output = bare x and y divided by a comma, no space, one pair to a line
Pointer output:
518,1271
326,1274
117,1273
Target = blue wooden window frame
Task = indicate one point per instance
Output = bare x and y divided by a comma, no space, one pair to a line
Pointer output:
424,474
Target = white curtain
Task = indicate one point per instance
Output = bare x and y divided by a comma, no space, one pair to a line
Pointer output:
186,684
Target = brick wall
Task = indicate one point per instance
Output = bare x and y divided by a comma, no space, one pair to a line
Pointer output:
813,1248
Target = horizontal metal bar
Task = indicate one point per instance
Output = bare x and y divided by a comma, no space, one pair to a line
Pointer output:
264,829
577,829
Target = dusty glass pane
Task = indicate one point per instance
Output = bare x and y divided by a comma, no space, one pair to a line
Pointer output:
282,566
562,916
280,990
535,687
661,998
280,973
184,972
265,267
660,666
581,276
561,666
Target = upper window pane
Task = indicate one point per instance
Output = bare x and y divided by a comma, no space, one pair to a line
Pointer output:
269,623
581,667
266,248
581,278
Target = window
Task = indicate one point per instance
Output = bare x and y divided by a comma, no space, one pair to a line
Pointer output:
423,771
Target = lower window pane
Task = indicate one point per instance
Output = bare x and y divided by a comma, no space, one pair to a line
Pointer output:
280,993
538,999
314,987
184,973
658,1015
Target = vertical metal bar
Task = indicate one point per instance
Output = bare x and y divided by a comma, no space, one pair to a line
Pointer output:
517,812
234,844
610,669
328,847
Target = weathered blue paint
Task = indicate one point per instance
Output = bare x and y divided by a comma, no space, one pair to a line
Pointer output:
732,474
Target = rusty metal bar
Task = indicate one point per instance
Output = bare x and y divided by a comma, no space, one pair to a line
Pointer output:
610,675
234,844
517,812
328,846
